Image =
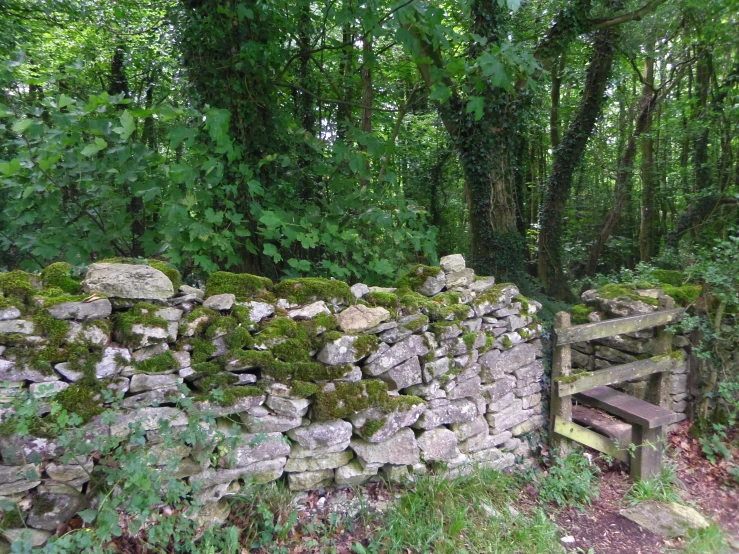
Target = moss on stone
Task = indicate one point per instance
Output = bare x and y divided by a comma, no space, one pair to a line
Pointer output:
202,350
669,277
169,270
489,342
439,308
207,368
416,323
348,399
241,313
239,338
320,324
579,313
243,285
204,316
81,398
303,389
213,382
141,314
230,395
387,300
614,291
17,284
281,328
221,326
416,276
311,289
684,294
365,344
303,371
42,504
469,340
506,342
292,350
372,426
568,379
253,358
160,363
58,275
523,301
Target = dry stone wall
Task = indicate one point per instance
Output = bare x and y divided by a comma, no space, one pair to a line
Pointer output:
330,385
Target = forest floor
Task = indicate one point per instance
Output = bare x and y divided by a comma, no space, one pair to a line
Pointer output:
368,520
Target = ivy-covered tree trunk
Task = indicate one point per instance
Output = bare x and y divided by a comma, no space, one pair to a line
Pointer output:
649,184
566,158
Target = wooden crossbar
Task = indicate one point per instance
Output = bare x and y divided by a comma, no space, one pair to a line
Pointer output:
594,440
619,326
616,374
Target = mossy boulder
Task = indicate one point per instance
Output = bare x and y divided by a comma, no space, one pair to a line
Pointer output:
312,289
242,285
58,275
424,279
130,281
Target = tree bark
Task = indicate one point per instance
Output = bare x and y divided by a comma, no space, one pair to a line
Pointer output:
566,158
646,227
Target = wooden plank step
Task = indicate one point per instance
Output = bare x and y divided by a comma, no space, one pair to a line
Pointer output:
603,423
628,408
577,433
618,326
615,374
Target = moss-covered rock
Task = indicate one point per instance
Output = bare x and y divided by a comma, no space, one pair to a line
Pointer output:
165,267
579,313
243,285
58,275
17,284
142,314
613,291
292,350
161,363
311,289
416,277
82,398
684,294
195,323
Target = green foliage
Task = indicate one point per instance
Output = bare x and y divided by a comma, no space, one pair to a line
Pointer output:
662,488
160,363
579,313
571,481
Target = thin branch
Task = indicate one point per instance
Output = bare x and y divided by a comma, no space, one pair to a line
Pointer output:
331,100
636,15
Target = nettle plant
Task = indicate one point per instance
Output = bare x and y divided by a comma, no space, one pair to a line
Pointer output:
134,491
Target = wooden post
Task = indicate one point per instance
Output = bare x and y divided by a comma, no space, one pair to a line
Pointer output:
659,384
646,462
561,406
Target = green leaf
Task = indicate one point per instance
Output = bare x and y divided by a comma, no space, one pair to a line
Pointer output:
476,104
270,220
22,124
64,101
441,93
271,251
514,4
88,516
128,125
94,147
255,189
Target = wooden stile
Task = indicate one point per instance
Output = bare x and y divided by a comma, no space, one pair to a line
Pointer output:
620,326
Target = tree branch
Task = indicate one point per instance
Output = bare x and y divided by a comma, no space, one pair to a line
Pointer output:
636,15
330,100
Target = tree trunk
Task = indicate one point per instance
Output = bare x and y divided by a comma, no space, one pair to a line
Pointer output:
557,70
566,158
623,180
646,227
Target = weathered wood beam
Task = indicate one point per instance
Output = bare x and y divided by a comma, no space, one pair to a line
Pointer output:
589,438
616,374
628,408
619,326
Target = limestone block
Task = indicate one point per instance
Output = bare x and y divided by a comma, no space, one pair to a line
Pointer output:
318,435
128,281
391,422
452,263
82,311
356,319
329,461
403,375
397,354
457,411
439,444
400,449
310,480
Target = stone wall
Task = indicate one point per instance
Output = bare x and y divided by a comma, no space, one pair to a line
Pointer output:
622,349
331,385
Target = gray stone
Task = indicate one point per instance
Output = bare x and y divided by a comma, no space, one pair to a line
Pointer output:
467,429
149,352
82,311
191,291
155,397
495,365
69,473
63,507
11,474
17,487
504,403
403,375
258,310
475,443
33,537
82,334
452,263
310,311
391,422
531,401
256,447
679,383
143,382
530,373
319,435
666,519
483,284
435,368
109,365
11,372
359,290
473,325
183,358
394,335
9,313
427,392
627,344
438,444
457,411
220,302
288,407
148,418
330,461
614,356
128,281
400,449
269,423
297,451
45,390
310,480
502,421
461,278
356,319
340,351
397,474
377,329
397,354
16,326
262,471
464,389
169,314
241,405
433,284
354,474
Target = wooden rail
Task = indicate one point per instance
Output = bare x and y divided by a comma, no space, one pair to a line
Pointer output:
620,326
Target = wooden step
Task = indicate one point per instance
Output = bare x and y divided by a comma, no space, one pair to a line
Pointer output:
628,408
603,423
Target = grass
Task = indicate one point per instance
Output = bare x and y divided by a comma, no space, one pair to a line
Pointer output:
663,488
572,481
463,515
705,541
